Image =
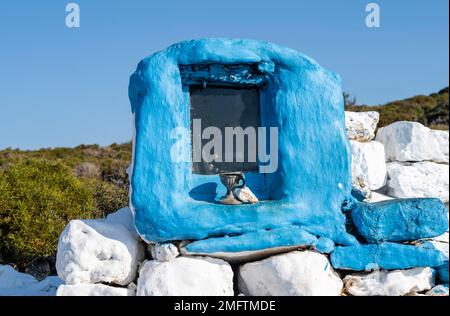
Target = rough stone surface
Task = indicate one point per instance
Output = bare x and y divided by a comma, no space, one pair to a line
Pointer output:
444,238
245,195
432,244
163,252
124,217
368,165
357,196
390,283
418,180
440,290
93,290
411,141
93,251
443,272
400,220
324,245
378,197
361,126
361,192
388,256
296,273
244,248
14,283
443,140
245,256
186,276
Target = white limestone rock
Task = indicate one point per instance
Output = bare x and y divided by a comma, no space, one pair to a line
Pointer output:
93,251
186,276
361,126
124,216
443,140
440,290
368,165
163,252
412,142
418,180
245,195
441,246
298,273
93,290
390,283
443,238
14,283
378,197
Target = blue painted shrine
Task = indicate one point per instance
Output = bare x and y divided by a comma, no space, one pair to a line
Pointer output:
300,203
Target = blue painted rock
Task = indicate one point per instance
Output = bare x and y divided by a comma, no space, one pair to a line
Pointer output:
388,256
443,272
258,244
359,195
400,220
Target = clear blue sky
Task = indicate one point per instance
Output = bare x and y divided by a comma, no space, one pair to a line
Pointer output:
64,87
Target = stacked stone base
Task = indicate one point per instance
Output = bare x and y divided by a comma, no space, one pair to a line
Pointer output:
403,244
92,262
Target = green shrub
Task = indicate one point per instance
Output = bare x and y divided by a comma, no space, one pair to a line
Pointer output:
37,199
108,197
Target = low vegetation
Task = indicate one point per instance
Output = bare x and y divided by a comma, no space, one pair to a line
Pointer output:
41,191
430,110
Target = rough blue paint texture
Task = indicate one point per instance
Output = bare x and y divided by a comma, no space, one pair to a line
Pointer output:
443,272
281,237
400,220
359,195
426,244
300,97
389,256
324,245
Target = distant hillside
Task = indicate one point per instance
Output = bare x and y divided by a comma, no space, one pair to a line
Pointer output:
431,110
86,161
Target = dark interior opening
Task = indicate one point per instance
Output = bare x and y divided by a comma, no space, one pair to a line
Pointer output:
224,107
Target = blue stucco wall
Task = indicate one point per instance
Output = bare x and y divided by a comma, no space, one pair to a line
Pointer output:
302,99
